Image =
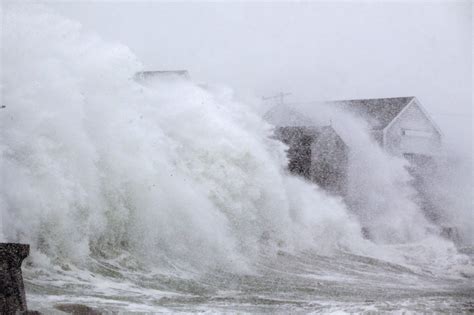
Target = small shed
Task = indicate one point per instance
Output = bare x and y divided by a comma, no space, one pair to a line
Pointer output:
316,153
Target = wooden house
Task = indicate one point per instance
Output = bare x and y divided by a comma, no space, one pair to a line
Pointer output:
400,125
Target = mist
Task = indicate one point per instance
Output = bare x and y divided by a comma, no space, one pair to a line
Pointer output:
314,50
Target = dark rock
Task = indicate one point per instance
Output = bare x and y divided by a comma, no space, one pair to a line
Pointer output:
12,290
77,309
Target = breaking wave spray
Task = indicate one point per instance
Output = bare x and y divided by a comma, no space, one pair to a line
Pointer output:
96,165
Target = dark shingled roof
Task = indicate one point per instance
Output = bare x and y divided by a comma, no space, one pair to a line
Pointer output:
378,112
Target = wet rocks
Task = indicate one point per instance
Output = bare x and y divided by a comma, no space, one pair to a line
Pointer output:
77,309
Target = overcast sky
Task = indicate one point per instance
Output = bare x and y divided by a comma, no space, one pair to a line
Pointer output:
315,50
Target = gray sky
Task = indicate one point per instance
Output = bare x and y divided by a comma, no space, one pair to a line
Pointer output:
315,50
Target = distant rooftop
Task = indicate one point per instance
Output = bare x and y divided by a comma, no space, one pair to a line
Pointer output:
145,75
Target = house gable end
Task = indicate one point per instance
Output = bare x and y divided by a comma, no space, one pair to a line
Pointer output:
414,103
412,131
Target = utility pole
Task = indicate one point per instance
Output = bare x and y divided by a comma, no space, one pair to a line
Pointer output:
280,97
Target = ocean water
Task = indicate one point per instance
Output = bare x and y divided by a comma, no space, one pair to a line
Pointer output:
167,196
281,283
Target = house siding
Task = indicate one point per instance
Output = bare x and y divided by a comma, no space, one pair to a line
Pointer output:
412,132
329,162
318,155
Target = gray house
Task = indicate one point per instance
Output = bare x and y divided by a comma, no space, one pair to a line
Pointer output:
400,125
403,127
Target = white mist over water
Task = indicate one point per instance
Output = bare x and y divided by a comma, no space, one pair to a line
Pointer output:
95,166
379,189
93,159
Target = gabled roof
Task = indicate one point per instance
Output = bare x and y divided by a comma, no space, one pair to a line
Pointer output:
377,112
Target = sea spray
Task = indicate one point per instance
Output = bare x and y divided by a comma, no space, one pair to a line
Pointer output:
95,162
379,189
131,191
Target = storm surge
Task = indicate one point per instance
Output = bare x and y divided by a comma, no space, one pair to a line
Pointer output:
94,162
98,170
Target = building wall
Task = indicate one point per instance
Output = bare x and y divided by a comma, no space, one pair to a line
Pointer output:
329,162
318,155
413,133
420,169
299,149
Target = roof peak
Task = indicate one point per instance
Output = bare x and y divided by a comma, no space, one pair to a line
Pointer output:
378,112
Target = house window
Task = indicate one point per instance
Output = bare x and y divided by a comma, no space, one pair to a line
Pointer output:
417,133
